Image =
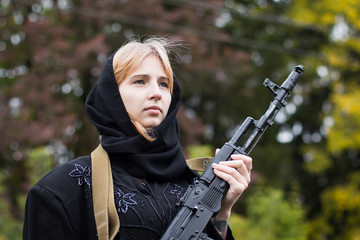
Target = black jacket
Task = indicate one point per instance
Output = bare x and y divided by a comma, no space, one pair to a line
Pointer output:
59,206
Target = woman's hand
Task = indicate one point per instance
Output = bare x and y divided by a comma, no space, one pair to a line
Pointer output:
237,174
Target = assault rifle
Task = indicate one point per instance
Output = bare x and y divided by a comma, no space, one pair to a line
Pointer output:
202,200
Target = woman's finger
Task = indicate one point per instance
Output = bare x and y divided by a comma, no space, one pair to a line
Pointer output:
246,159
237,169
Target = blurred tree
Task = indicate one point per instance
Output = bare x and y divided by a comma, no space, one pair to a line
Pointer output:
42,66
275,44
336,157
39,162
339,218
10,225
345,131
270,216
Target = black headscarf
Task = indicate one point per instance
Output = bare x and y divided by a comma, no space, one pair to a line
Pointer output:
161,159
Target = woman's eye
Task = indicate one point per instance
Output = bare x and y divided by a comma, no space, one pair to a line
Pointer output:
164,84
140,82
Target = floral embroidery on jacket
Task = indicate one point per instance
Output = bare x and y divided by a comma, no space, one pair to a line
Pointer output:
122,200
177,191
82,173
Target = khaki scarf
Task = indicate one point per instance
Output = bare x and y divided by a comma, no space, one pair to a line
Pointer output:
106,217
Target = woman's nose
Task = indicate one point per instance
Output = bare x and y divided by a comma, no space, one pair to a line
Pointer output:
155,91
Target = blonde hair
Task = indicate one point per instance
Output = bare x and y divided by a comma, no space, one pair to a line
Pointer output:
130,56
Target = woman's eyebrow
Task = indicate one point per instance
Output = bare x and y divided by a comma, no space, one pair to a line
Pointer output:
146,76
164,78
140,76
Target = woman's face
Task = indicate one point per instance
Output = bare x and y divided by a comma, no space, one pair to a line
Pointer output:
146,94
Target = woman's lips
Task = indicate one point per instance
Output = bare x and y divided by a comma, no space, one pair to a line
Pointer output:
153,109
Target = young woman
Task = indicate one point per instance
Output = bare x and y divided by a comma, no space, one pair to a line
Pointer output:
133,106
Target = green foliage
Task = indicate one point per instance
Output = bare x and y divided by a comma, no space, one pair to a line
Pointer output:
237,224
317,160
340,216
336,159
195,151
10,225
345,133
40,162
270,216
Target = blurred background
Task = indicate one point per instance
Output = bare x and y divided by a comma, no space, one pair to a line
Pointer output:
305,182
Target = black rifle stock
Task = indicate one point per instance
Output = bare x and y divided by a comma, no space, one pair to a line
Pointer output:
203,199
